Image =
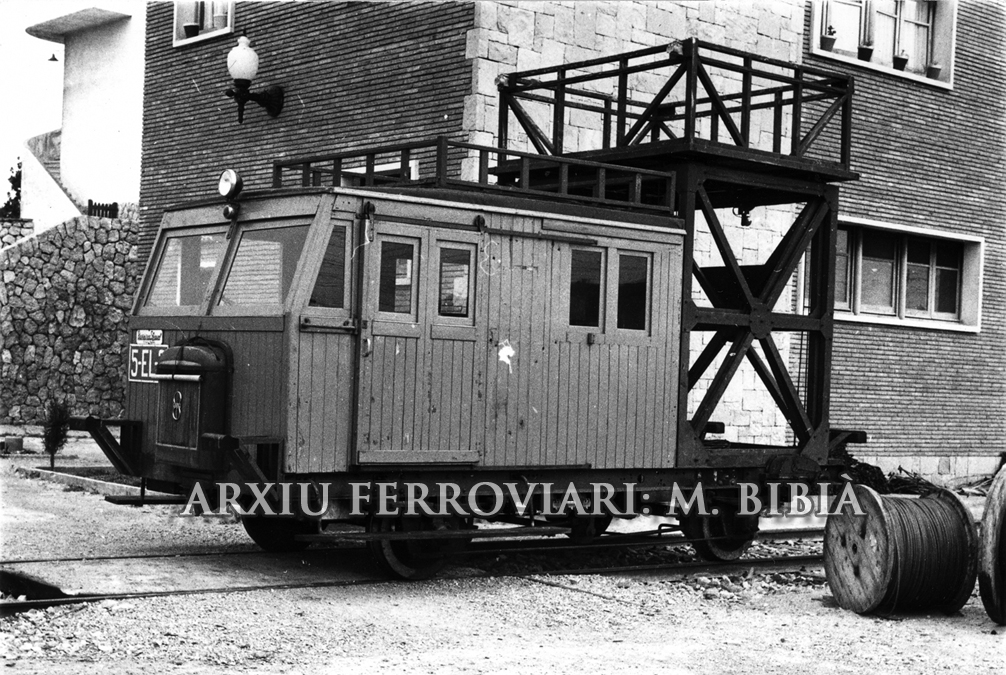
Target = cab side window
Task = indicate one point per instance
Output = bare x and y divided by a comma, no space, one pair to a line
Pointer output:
330,288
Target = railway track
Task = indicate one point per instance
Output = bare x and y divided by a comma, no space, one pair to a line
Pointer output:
46,595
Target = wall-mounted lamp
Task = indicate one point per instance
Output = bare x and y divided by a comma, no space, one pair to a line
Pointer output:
242,63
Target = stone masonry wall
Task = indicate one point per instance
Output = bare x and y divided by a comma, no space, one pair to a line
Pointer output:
515,36
63,304
12,231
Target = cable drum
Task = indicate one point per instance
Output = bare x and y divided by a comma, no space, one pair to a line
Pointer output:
904,554
992,553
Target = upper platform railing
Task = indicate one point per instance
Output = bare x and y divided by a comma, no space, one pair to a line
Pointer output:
685,90
442,162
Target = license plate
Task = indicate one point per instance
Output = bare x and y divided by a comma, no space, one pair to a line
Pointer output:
141,361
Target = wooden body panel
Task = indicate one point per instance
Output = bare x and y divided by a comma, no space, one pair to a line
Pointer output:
434,393
258,387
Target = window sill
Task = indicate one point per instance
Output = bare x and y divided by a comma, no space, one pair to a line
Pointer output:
886,70
926,324
202,37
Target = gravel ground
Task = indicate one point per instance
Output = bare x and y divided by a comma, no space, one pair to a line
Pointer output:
647,623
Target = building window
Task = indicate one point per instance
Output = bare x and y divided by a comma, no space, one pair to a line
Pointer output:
197,20
914,37
906,276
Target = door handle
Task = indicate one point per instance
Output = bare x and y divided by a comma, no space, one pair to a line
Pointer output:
368,347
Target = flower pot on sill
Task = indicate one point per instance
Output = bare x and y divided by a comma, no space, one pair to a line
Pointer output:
933,71
191,29
865,52
900,62
827,42
219,21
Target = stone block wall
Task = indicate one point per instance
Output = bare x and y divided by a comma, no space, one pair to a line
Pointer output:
12,231
63,303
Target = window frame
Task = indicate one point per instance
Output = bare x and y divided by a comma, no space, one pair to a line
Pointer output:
608,332
969,286
178,38
141,307
942,43
439,244
614,274
603,300
214,308
411,318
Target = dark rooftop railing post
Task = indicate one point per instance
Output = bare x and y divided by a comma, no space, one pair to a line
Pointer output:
442,161
623,95
337,172
797,112
691,53
847,125
746,103
483,167
606,125
777,123
404,170
504,119
559,112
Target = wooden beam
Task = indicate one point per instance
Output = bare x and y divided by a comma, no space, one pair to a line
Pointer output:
723,244
725,373
717,102
651,109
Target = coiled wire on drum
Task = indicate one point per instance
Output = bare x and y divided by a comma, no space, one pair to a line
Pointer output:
902,554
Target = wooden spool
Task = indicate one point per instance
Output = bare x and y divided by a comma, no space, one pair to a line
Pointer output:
860,556
857,553
992,551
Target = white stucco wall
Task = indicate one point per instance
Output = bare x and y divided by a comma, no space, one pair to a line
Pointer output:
103,110
41,199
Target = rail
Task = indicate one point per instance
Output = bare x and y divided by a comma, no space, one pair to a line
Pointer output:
685,90
446,163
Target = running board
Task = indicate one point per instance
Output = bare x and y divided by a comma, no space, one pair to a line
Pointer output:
145,500
503,533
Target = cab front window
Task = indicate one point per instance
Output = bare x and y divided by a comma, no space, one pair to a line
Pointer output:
184,270
263,266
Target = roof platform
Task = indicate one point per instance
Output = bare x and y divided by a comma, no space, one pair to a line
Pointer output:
687,102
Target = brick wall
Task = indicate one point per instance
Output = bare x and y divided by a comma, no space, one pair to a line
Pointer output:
63,302
936,159
354,74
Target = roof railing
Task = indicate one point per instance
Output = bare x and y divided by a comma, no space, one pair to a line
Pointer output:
683,90
446,163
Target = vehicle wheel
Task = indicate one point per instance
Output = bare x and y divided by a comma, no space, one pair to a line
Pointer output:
412,560
276,535
723,537
585,528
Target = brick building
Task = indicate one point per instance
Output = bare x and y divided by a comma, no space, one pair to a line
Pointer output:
923,374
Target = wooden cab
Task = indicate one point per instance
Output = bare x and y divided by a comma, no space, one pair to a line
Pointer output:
372,330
